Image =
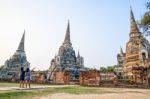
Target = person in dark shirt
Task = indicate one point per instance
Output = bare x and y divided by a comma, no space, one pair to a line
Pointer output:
22,77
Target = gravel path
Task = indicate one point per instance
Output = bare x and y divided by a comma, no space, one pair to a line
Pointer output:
98,96
123,93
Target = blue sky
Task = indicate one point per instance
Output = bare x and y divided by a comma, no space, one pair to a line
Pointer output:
98,28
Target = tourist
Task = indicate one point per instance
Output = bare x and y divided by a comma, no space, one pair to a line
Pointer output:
27,77
22,76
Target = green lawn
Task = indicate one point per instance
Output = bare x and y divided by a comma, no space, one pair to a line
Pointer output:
5,84
72,90
9,84
28,94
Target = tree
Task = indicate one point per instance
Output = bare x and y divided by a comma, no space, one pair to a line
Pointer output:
107,69
102,69
110,69
145,21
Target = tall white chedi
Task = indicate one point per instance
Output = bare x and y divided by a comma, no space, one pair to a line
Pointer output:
66,58
12,66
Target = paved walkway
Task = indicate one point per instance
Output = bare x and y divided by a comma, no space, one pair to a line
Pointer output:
32,87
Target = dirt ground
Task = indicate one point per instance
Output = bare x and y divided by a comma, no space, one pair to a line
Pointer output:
121,94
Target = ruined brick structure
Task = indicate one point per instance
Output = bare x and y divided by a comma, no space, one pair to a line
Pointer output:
118,69
38,77
90,78
61,77
136,59
11,67
66,59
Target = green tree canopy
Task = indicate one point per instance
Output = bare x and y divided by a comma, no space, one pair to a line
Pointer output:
102,69
145,21
107,69
110,68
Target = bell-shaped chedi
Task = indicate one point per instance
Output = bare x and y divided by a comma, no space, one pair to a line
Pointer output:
12,66
134,30
137,52
66,59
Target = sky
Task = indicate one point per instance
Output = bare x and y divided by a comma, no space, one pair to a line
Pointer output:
98,28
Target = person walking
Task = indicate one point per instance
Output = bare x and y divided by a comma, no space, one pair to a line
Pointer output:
27,78
22,77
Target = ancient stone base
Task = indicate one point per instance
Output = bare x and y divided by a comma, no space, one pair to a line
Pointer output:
89,78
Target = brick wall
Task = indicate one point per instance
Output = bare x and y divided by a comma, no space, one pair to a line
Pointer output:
61,77
89,78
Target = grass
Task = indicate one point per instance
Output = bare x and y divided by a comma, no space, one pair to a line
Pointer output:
15,94
74,90
7,84
71,90
27,94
